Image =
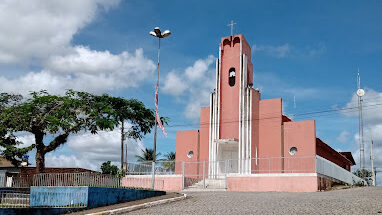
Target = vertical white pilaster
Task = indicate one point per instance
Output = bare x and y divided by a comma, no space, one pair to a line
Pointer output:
250,129
211,132
240,150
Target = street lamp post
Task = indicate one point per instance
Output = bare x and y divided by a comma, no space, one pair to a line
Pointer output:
157,33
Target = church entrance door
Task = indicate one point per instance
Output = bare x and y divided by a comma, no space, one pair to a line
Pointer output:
228,158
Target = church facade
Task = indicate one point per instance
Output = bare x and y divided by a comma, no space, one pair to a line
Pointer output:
245,143
241,134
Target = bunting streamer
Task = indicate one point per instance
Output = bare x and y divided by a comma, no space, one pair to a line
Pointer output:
160,125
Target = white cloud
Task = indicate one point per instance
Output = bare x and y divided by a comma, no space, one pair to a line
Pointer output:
71,161
91,150
195,83
316,50
198,70
343,137
38,33
272,85
198,98
274,51
287,50
371,107
174,85
90,62
103,146
33,30
27,139
128,71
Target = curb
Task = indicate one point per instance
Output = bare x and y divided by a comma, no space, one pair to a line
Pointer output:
140,206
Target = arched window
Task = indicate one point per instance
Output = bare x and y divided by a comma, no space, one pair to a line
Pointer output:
231,77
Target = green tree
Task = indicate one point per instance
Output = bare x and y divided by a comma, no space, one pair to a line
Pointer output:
170,156
169,163
132,111
107,168
135,113
43,114
364,174
147,155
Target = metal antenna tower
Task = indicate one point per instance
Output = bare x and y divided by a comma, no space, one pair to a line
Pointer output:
360,94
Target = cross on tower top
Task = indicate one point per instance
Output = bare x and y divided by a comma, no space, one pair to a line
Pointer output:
231,25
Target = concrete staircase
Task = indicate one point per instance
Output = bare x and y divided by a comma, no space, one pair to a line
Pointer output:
211,185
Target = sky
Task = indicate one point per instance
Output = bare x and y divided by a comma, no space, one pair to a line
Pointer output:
306,52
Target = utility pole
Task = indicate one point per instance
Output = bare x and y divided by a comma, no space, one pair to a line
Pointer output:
372,161
122,142
376,171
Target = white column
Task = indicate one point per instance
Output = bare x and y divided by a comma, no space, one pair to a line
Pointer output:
250,130
211,131
240,164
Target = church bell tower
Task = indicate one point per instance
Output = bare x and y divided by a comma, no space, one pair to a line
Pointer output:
231,107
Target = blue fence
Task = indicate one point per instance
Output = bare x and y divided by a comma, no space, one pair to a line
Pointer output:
59,197
89,197
58,200
100,196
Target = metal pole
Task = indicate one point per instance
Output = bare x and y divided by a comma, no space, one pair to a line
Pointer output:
375,174
153,175
125,159
372,162
155,131
122,140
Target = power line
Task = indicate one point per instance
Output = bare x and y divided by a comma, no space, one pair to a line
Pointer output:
331,111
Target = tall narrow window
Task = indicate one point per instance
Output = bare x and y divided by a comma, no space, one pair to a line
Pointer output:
231,77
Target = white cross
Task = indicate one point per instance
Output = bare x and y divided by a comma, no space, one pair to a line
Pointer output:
231,24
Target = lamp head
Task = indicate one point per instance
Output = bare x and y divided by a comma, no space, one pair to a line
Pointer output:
157,32
152,33
166,33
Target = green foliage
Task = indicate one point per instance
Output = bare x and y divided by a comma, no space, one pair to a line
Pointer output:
120,173
169,163
365,175
147,155
107,168
61,115
170,156
133,111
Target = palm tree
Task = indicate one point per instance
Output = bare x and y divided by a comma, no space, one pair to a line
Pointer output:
147,155
170,156
169,164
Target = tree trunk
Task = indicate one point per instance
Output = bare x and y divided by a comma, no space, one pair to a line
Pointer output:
40,154
122,142
40,162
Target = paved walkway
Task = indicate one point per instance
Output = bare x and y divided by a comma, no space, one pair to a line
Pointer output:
349,201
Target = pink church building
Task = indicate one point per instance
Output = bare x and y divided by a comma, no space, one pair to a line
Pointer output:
247,140
245,143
